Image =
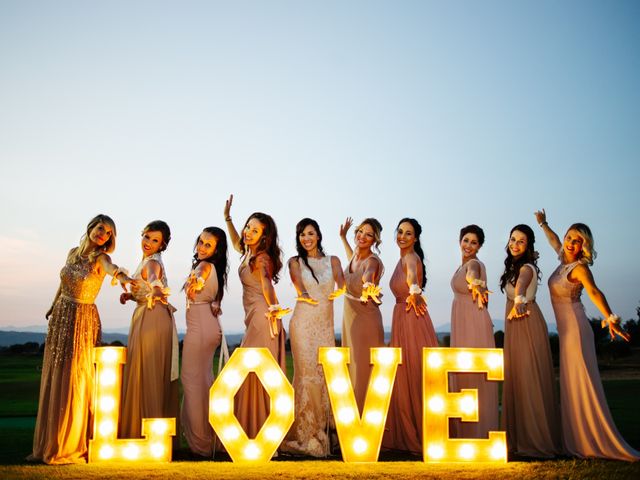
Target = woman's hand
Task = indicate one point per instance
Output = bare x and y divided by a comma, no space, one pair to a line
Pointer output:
480,295
371,291
344,228
541,216
227,207
337,293
418,303
125,297
306,298
616,329
48,314
519,310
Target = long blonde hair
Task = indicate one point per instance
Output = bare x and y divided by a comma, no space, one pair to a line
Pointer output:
588,252
108,247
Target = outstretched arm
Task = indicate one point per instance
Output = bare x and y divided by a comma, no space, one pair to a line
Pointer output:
296,277
478,287
117,273
415,299
338,279
525,277
583,274
552,237
344,229
233,233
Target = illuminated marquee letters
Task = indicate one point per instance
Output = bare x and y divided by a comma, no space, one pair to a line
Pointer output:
439,405
360,436
105,444
223,420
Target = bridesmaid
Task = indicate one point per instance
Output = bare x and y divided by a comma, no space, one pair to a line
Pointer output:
204,290
587,426
314,276
259,270
66,385
362,321
471,327
150,379
529,411
411,330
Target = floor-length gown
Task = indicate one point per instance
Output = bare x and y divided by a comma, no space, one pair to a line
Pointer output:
588,429
150,380
311,327
252,401
472,327
66,386
361,330
199,345
529,403
411,333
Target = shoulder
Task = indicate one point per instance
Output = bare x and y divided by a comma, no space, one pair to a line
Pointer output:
293,261
373,261
263,261
529,267
206,267
335,262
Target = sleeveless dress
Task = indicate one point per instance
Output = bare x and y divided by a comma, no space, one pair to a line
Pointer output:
199,345
587,427
252,401
361,330
529,402
311,327
150,380
411,333
66,386
472,327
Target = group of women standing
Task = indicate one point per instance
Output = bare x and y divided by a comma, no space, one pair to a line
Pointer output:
529,413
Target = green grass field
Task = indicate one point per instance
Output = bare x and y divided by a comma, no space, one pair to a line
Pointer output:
19,385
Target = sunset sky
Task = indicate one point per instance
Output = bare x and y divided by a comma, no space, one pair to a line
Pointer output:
452,112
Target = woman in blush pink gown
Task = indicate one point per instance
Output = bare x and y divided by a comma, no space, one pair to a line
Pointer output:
588,429
314,275
471,327
66,388
204,290
529,404
261,264
150,378
362,321
411,330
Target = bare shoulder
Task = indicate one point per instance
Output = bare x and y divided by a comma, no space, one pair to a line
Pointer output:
335,262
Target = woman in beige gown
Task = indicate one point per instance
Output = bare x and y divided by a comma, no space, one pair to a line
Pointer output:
588,429
411,330
362,320
529,403
204,290
471,327
66,386
150,379
314,275
261,264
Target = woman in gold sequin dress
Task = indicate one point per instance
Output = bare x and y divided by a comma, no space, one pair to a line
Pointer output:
66,386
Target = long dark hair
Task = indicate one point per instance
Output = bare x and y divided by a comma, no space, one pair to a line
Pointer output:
512,266
268,244
218,258
302,253
417,229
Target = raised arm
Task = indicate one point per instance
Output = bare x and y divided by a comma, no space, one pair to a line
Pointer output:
233,233
583,274
295,272
344,229
552,237
415,299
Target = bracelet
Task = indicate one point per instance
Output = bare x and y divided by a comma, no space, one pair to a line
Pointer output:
415,289
520,299
543,223
274,308
303,292
227,219
613,318
367,285
476,282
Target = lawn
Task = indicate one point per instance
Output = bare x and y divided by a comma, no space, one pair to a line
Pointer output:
19,383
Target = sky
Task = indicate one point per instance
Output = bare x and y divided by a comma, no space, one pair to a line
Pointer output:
452,112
